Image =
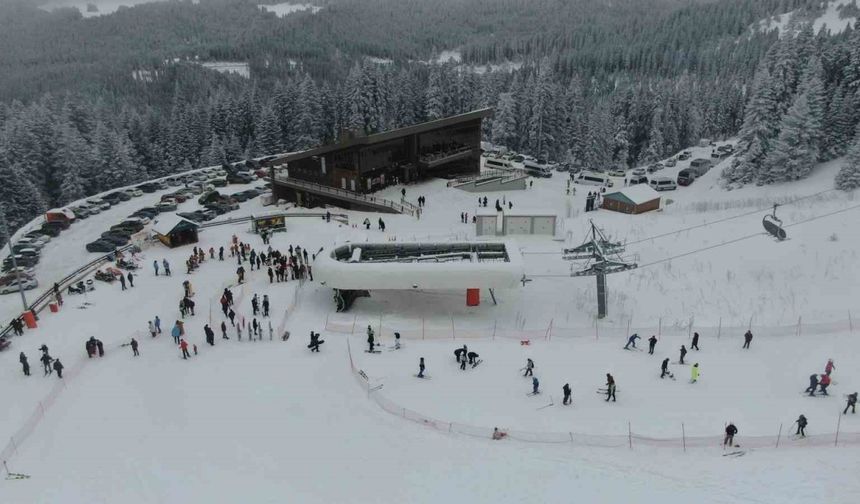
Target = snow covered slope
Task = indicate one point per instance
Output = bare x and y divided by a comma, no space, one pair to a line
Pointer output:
830,18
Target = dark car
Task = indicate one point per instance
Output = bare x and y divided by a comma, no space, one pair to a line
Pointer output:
686,177
20,260
52,231
216,207
239,178
103,246
115,238
133,225
117,196
148,188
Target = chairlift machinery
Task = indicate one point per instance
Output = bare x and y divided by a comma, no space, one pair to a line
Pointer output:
603,257
773,225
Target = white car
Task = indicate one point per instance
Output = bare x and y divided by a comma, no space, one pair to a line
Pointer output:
134,192
639,172
90,208
617,172
662,184
102,204
26,282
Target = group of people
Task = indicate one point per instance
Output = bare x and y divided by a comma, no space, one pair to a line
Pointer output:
592,201
49,364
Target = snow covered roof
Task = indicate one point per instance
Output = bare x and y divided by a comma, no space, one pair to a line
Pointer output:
637,194
65,211
168,222
422,273
490,211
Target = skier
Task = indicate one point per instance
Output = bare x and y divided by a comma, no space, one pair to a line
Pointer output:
421,368
801,426
683,353
731,430
823,383
497,434
631,341
652,342
852,403
166,266
473,358
224,330
24,364
566,390
315,342
155,266
747,339
535,385
813,384
183,345
255,305
530,365
397,341
610,387
46,362
829,367
221,254
370,340
58,367
694,373
271,275
232,316
240,274
134,347
664,368
90,347
265,305
695,341
130,279
239,331
151,328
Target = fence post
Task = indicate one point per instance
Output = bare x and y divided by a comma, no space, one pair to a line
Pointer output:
850,322
799,319
838,423
628,326
453,332
629,435
14,444
660,327
422,328
690,328
380,326
720,328
684,437
495,323
778,435
548,334
750,326
354,317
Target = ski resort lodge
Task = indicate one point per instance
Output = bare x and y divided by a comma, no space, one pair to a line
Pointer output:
347,172
632,200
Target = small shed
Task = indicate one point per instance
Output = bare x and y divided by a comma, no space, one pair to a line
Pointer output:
632,200
489,222
269,222
174,231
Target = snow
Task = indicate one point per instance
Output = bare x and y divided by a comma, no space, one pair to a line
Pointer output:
638,194
104,7
166,222
287,8
829,20
449,56
254,420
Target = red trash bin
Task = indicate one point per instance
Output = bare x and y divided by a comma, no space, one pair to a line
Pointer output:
54,307
473,297
29,319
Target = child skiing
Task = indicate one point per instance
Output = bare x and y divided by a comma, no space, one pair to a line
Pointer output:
664,368
731,430
747,339
852,403
610,387
829,367
695,343
801,426
683,353
535,385
813,384
421,368
694,373
530,365
823,383
370,340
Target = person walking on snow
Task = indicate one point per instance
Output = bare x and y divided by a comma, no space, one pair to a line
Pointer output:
265,305
421,367
58,367
122,281
823,383
46,362
566,390
183,345
224,330
801,426
151,328
130,279
664,368
829,367
631,341
652,342
370,339
166,266
176,332
134,348
157,324
731,430
852,403
530,366
683,353
695,344
155,266
610,387
694,373
463,364
813,384
747,339
25,366
535,384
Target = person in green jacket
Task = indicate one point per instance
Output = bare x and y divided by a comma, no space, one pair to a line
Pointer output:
694,373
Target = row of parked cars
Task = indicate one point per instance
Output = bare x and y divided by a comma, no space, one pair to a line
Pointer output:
215,203
17,270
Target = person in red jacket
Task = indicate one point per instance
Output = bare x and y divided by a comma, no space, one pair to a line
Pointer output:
823,383
184,346
829,367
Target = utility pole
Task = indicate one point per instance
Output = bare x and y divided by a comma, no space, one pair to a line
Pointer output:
604,257
4,232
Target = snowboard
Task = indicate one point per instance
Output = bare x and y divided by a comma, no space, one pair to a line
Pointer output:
310,345
476,363
633,349
425,377
375,351
736,453
533,393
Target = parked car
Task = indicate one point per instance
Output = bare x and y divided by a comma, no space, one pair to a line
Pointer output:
113,198
89,208
700,166
148,188
58,225
134,192
173,181
51,229
217,182
639,171
38,236
684,156
100,203
655,167
10,274
617,172
101,245
116,238
167,206
637,179
239,178
20,261
686,177
27,242
662,184
15,285
593,178
670,162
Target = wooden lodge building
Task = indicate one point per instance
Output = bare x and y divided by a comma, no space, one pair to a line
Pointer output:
346,173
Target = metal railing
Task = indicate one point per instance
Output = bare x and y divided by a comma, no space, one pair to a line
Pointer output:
404,208
504,174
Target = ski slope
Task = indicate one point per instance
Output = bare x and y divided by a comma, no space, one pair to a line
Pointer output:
267,421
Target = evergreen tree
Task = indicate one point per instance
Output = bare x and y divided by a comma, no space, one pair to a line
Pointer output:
848,177
796,149
654,152
20,199
505,122
758,131
435,95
